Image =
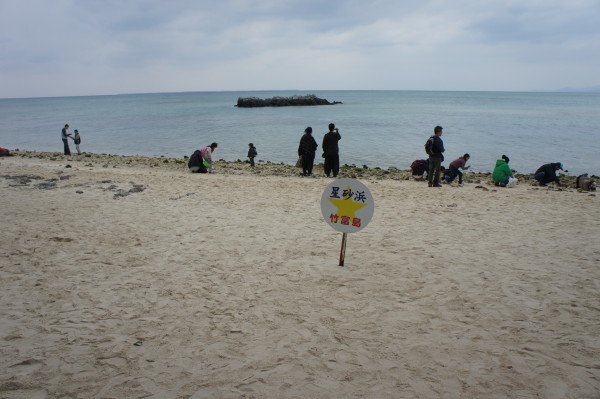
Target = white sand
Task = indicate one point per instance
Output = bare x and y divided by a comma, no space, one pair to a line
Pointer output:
230,287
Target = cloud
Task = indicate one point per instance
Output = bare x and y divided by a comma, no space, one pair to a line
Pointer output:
100,47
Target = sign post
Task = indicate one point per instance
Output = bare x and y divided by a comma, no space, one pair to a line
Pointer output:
343,250
347,206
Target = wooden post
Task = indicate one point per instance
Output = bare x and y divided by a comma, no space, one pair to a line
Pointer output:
343,250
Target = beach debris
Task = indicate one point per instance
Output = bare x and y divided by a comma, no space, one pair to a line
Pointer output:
79,192
452,205
22,180
47,185
483,188
181,196
61,239
137,188
138,343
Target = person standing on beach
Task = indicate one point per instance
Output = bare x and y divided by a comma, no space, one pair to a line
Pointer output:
436,157
207,155
547,173
65,138
306,149
455,166
77,141
252,153
331,150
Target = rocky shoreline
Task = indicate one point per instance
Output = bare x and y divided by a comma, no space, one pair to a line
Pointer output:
263,168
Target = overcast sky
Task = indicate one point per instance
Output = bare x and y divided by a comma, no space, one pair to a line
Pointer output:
81,47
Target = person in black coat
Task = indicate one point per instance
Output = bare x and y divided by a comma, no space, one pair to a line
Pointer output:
547,173
307,149
331,151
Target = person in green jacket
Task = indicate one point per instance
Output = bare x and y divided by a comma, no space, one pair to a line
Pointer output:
502,172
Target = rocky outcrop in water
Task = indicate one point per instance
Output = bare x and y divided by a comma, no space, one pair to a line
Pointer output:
310,99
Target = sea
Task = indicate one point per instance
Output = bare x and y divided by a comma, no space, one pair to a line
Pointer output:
379,128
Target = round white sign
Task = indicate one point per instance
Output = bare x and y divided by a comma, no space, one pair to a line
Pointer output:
347,205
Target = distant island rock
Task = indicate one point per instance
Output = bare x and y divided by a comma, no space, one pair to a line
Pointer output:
309,99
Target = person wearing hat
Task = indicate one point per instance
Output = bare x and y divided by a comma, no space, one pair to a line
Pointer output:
65,138
306,150
547,173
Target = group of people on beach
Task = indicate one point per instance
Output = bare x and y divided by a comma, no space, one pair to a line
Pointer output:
307,150
502,175
65,136
201,160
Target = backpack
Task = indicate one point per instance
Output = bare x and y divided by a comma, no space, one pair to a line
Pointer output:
429,145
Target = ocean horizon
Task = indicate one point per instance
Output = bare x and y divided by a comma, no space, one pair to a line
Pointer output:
379,128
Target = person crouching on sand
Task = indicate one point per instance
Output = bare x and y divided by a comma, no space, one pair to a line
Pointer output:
201,160
502,173
547,173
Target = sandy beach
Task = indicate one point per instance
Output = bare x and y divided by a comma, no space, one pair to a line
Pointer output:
128,277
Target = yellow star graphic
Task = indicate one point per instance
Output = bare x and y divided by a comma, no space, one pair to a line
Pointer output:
345,206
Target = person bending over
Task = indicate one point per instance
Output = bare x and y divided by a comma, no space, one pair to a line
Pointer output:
455,166
547,173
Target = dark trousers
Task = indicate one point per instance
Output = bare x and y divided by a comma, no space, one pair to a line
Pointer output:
308,161
541,178
433,176
332,164
454,171
67,149
252,161
198,168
